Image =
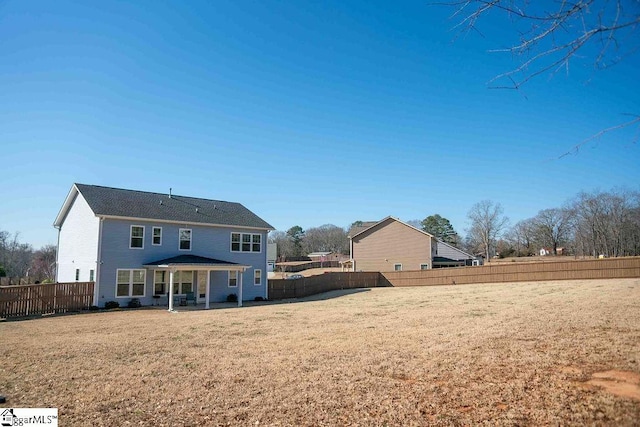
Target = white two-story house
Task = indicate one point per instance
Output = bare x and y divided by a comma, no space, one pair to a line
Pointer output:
136,244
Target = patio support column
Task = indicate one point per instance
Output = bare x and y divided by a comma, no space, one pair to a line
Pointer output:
240,274
206,292
171,271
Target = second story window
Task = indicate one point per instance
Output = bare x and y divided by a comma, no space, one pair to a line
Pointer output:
157,236
246,242
185,239
136,238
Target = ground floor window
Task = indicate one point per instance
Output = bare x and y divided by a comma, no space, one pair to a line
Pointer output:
130,283
397,267
160,283
424,266
257,277
182,282
233,279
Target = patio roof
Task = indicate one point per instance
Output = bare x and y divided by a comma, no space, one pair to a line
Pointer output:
195,262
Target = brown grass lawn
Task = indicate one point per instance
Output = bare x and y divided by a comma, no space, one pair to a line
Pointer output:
501,354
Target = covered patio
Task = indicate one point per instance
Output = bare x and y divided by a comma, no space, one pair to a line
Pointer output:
197,263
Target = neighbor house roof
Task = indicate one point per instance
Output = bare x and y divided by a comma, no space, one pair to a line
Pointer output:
360,226
386,220
116,202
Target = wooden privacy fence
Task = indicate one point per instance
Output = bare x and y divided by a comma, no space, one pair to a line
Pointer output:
30,300
298,288
609,268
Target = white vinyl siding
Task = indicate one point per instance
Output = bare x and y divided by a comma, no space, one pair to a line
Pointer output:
130,283
136,237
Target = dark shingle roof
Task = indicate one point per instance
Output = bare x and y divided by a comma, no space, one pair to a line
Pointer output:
143,205
363,225
190,260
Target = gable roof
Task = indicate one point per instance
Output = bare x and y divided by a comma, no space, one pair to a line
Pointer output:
356,229
388,219
444,247
116,202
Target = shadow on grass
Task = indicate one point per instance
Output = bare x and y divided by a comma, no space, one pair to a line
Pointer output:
199,307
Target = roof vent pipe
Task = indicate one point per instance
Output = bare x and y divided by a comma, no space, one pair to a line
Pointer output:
170,192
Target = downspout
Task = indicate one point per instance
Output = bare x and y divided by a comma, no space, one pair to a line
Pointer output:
96,283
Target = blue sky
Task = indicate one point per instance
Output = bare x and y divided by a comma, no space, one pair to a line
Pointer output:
306,112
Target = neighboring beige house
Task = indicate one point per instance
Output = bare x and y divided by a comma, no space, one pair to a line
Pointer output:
391,245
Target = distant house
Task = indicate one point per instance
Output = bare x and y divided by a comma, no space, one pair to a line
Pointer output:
136,244
549,251
391,245
450,256
321,256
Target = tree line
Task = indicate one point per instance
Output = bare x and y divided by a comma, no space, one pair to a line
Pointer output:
587,225
20,263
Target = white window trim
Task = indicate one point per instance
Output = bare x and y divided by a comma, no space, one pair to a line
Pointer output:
180,230
395,265
237,273
177,284
131,236
425,264
131,270
153,229
250,251
257,272
164,282
92,275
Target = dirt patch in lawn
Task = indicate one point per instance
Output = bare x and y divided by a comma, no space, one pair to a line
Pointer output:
497,354
620,383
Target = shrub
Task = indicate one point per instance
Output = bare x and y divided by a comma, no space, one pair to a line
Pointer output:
94,308
134,303
232,298
111,304
258,299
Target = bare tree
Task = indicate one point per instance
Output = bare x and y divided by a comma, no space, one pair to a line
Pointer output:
15,257
522,237
553,35
328,237
553,227
43,264
607,223
487,222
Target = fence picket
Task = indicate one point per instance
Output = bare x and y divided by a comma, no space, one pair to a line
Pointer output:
609,268
31,300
